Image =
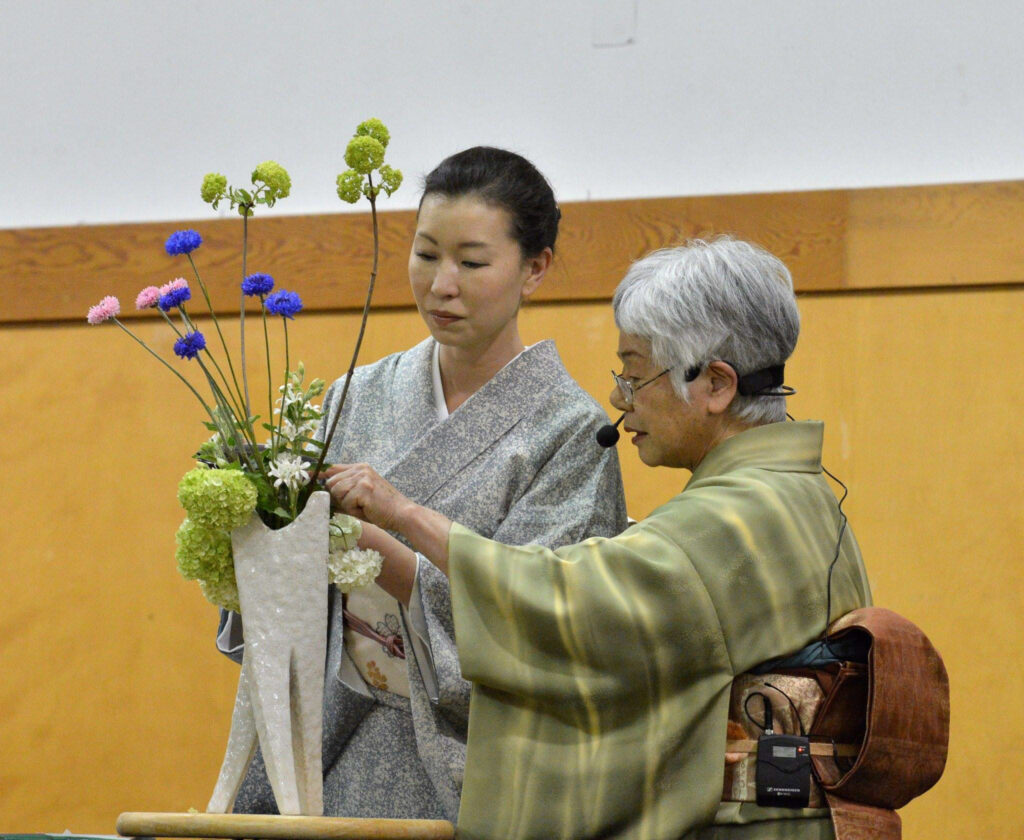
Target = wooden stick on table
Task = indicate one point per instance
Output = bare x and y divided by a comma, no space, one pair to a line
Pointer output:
267,827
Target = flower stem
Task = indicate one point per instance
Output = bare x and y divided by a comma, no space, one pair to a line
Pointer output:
216,322
149,350
362,330
270,378
190,324
284,393
241,316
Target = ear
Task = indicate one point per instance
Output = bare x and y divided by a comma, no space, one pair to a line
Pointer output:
723,381
536,268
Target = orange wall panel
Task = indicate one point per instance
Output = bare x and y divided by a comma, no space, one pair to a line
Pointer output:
115,699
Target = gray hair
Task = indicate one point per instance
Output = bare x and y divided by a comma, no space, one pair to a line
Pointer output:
713,299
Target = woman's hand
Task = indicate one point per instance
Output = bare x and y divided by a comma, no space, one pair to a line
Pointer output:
357,489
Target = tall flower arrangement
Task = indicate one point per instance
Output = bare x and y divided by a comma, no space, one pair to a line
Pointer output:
251,462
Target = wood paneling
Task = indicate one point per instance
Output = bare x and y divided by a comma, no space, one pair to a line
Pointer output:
115,699
899,237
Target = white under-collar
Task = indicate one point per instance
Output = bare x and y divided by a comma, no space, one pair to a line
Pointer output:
435,365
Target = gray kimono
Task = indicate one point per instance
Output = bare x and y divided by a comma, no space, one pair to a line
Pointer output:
517,462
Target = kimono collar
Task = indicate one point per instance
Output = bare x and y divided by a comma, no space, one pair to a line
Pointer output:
782,447
442,449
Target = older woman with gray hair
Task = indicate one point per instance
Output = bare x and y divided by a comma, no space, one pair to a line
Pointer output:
602,671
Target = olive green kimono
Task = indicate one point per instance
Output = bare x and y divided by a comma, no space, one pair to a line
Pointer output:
602,670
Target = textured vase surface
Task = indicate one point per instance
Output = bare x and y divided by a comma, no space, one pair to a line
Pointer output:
282,589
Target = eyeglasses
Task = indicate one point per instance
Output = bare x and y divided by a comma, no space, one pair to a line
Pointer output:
628,389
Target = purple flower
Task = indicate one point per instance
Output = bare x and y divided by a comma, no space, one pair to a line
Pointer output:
189,345
284,303
257,284
183,242
174,294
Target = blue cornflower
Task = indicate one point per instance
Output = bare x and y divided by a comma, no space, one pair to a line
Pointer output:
183,242
189,345
284,303
174,297
257,284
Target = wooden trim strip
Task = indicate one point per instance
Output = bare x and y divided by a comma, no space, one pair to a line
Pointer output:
274,827
954,235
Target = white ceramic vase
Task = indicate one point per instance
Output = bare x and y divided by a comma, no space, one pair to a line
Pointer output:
282,589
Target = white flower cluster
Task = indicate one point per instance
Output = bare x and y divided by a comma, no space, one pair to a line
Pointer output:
350,567
290,395
354,568
290,471
298,419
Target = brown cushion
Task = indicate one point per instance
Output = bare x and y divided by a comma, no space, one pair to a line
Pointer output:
905,691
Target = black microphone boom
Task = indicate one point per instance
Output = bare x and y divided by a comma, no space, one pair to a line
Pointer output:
609,435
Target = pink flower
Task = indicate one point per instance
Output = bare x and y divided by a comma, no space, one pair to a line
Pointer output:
147,298
109,307
178,283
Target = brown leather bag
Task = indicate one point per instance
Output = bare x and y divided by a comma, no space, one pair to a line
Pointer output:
897,708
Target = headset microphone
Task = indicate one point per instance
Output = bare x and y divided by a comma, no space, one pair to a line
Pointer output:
609,435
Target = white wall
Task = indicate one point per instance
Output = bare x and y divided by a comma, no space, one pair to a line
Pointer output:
113,111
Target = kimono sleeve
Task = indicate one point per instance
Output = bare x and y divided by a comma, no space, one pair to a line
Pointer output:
594,622
577,493
601,683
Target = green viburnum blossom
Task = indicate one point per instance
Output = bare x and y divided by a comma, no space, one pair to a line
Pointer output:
221,593
344,531
218,499
350,186
391,179
271,173
214,188
203,553
364,154
376,129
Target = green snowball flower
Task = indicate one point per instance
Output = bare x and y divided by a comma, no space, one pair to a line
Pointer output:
218,499
214,187
223,593
275,177
350,185
391,179
203,553
344,532
376,129
364,154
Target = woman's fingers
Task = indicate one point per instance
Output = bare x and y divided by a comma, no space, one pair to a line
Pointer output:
358,490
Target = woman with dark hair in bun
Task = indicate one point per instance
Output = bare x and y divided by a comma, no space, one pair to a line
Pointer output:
472,423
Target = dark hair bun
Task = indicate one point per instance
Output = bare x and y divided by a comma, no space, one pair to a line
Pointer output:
506,180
